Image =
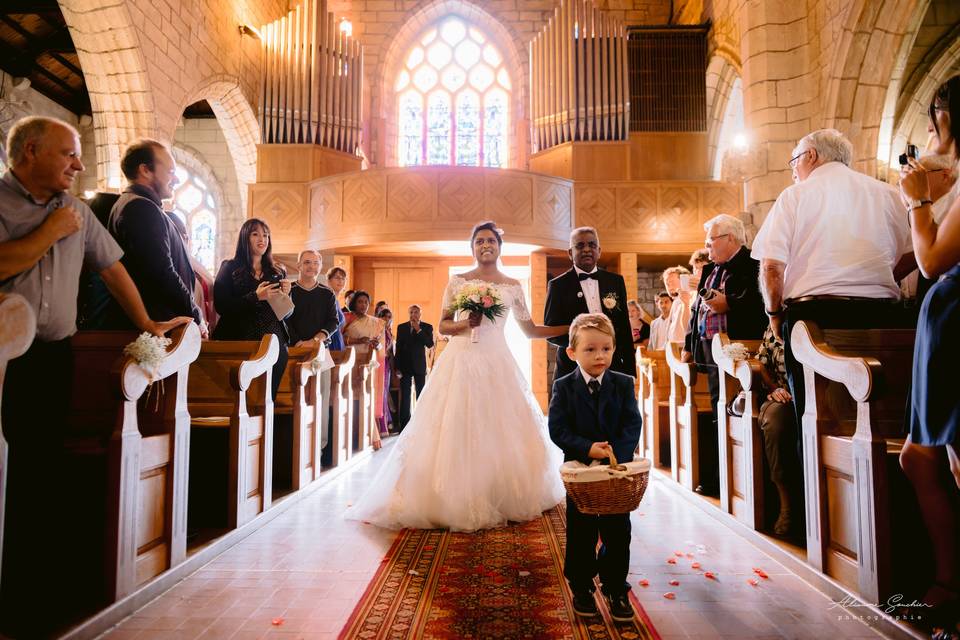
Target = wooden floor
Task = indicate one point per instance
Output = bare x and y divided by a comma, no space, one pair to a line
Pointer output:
301,574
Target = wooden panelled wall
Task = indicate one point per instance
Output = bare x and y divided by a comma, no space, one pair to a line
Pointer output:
578,77
312,80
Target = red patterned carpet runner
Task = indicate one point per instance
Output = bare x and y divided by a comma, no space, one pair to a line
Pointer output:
499,583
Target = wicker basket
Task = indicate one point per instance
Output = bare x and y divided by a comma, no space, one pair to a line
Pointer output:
604,490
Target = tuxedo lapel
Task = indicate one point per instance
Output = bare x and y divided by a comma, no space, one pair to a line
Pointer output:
578,303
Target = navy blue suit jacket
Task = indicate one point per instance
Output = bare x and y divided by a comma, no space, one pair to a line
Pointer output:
575,425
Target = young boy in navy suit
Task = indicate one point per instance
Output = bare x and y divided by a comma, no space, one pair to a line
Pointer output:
593,411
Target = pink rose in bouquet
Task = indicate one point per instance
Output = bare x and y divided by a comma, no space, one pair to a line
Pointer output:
486,301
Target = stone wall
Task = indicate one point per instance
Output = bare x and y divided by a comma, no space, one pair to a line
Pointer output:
203,139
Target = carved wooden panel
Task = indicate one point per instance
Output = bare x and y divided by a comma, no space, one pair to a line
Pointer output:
680,211
596,207
553,204
364,197
637,210
460,196
281,207
411,196
719,199
509,198
326,204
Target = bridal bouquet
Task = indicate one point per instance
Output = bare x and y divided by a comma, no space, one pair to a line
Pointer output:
148,351
481,298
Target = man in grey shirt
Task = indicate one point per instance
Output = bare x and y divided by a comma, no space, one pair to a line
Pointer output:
46,237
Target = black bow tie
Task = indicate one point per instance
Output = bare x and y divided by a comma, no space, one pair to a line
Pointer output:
584,276
594,386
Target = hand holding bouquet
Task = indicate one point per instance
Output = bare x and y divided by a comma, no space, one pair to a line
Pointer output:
478,298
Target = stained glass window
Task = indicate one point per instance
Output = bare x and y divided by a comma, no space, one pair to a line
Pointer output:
453,96
196,206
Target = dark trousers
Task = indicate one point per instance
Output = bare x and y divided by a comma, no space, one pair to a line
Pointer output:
583,562
707,437
35,405
418,379
836,314
778,424
278,368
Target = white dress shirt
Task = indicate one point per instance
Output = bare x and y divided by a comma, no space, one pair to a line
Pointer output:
840,232
678,322
658,333
591,291
587,377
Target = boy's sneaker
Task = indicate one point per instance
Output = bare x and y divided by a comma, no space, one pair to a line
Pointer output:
620,609
584,604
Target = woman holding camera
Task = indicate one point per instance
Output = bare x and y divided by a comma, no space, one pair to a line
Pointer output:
931,455
242,291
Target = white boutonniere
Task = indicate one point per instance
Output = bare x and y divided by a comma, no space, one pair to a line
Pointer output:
610,301
579,294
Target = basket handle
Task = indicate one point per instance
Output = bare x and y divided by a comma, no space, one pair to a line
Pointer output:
614,465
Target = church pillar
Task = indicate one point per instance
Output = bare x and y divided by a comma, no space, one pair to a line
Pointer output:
627,267
538,348
346,263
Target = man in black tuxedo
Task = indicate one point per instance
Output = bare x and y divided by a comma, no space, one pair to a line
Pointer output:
587,289
413,339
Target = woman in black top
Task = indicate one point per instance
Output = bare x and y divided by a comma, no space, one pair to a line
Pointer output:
241,290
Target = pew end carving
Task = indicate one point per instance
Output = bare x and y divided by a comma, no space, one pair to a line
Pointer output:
341,402
856,386
229,392
136,438
739,438
364,399
302,397
689,403
653,397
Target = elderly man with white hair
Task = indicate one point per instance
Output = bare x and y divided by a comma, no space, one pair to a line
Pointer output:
829,248
729,302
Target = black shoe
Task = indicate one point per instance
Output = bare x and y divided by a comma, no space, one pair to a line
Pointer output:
707,490
620,609
584,604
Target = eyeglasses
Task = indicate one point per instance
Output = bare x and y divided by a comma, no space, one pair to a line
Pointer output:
794,159
715,238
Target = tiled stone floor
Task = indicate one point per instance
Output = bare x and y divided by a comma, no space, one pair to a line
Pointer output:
309,567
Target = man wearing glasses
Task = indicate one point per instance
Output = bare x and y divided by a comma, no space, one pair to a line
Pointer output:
829,248
588,289
729,302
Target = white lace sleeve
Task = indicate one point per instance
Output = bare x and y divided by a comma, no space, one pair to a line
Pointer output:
520,311
452,285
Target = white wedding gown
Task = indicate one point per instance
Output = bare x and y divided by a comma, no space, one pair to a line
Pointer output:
476,452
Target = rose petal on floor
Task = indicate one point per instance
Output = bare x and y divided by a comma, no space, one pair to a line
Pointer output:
644,583
695,565
277,622
709,575
675,583
669,595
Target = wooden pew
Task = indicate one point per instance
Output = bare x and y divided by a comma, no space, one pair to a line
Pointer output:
341,403
856,386
739,438
689,403
653,396
301,396
18,325
230,390
143,437
364,398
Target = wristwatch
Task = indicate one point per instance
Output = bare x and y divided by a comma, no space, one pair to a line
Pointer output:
916,204
773,314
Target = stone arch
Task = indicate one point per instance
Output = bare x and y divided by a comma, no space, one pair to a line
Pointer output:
115,73
510,45
238,121
912,126
722,74
857,83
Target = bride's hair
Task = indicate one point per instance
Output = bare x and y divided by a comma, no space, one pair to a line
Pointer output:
489,225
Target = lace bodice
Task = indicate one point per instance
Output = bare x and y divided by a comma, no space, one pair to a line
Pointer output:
511,296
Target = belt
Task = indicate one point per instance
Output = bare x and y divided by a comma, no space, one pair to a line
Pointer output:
842,298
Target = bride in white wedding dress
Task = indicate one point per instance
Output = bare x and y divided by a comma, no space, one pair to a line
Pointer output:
476,452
